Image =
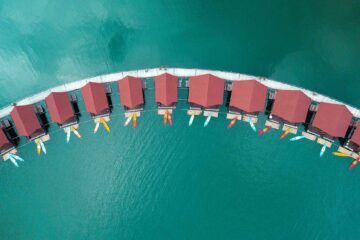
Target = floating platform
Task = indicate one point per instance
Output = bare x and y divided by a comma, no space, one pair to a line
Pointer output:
7,155
68,128
130,113
293,129
272,124
232,115
309,136
161,111
248,117
194,111
323,141
212,113
106,118
345,151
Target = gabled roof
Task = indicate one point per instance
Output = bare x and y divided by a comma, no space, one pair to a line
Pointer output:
3,139
206,90
59,107
248,96
355,138
25,120
333,119
131,93
166,89
291,106
95,99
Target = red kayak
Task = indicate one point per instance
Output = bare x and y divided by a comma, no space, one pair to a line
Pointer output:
233,121
354,163
264,130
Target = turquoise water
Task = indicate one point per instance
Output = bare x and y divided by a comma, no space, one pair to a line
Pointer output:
157,182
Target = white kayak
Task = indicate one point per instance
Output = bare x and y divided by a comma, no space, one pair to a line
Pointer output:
191,119
207,121
252,124
128,120
42,146
13,160
322,150
68,134
296,138
17,157
96,127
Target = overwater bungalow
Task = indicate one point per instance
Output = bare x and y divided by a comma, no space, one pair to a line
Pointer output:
331,122
97,104
352,146
28,124
166,92
290,108
6,146
247,100
206,92
131,95
61,110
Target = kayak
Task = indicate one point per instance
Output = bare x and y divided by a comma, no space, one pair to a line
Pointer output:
322,150
191,119
340,154
38,147
207,121
165,118
13,160
296,138
233,121
68,134
96,127
16,157
252,125
264,130
42,146
285,133
169,117
127,121
76,132
134,120
106,126
354,163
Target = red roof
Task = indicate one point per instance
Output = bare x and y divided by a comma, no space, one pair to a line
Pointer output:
206,90
59,107
333,119
95,99
356,136
25,120
131,93
291,106
248,96
166,89
3,139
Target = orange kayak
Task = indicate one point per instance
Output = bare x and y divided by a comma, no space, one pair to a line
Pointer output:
264,130
165,118
169,117
233,121
286,132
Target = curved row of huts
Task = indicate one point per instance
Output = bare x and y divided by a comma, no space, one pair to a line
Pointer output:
286,109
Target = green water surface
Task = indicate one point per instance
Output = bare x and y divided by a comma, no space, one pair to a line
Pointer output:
178,182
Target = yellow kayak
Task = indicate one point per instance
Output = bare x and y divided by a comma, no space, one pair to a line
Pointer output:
38,147
340,154
134,120
75,132
106,126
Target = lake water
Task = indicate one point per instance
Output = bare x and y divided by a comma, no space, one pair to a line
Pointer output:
178,182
